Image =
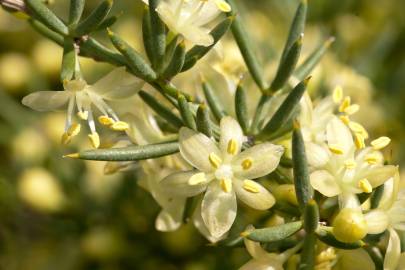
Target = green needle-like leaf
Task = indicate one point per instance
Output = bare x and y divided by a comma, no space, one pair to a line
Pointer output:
308,252
92,48
213,101
198,52
203,121
135,61
186,113
130,153
46,16
46,32
158,37
325,235
302,185
177,62
147,34
241,108
68,60
161,110
76,11
285,111
94,19
311,216
274,233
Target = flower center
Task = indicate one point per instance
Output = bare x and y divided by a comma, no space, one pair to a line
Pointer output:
224,172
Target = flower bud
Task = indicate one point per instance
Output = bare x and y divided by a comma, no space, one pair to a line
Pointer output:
286,193
349,225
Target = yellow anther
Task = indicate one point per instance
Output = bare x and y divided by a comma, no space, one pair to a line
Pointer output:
350,164
345,119
215,160
372,158
197,179
94,139
251,186
327,255
223,6
336,149
365,185
359,141
73,130
226,185
352,109
380,143
345,103
105,120
119,126
84,115
337,94
358,128
232,147
65,138
247,163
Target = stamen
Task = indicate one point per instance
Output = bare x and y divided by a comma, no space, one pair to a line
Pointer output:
232,147
372,158
365,185
223,6
120,126
337,94
226,185
346,103
197,179
358,128
359,141
94,139
247,163
73,130
350,164
380,143
215,160
84,115
345,119
251,186
352,109
336,149
105,120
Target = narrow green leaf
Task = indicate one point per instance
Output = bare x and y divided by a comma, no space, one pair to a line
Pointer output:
274,233
186,113
177,62
47,17
107,23
135,61
213,101
197,52
284,112
46,32
130,153
241,108
257,118
286,66
68,60
161,110
169,89
376,256
92,48
307,261
244,43
94,19
303,188
76,11
311,216
325,235
147,34
203,121
312,60
376,196
297,26
170,48
158,39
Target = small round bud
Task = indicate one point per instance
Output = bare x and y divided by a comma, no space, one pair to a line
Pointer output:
349,225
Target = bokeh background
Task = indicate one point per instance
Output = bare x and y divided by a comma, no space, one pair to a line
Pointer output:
57,213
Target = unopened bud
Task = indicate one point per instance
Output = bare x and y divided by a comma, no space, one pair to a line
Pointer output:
349,225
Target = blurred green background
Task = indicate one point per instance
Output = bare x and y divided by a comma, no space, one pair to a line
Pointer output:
64,214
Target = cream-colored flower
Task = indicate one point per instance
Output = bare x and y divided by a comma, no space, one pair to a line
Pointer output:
190,17
116,85
223,172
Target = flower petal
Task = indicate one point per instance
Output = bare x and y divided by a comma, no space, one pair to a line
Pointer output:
393,251
260,200
317,155
264,159
230,129
377,221
218,209
379,175
177,184
337,133
200,225
324,182
195,148
165,222
46,100
118,84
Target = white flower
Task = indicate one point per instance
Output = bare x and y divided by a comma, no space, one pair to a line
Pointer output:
390,215
116,85
190,17
223,173
263,260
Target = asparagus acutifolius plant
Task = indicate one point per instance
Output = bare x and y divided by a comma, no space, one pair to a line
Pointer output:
298,159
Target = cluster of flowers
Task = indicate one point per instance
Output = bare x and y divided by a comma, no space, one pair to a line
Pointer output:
218,172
